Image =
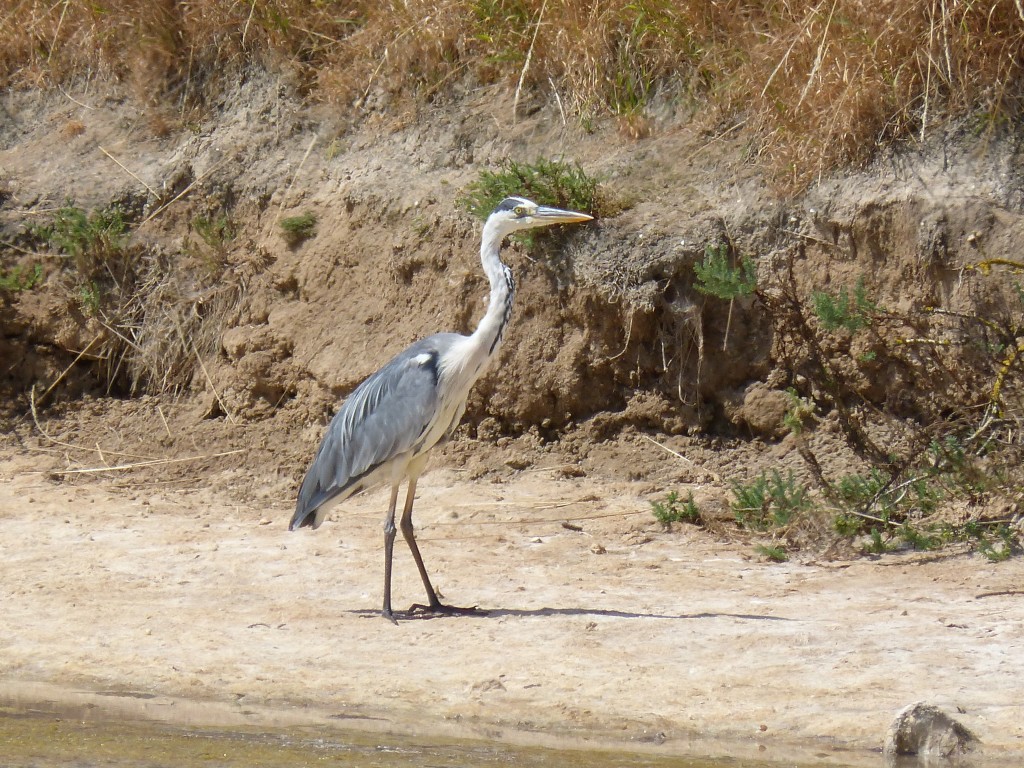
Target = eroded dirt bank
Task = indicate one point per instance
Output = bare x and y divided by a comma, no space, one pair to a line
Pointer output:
176,581
617,632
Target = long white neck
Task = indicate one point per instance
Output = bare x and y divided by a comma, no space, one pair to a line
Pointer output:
487,337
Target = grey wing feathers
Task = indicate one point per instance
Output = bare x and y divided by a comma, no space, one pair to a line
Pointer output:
382,418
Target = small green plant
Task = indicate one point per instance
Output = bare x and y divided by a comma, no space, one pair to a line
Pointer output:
299,228
633,79
646,30
717,277
800,411
995,540
844,311
504,28
879,497
877,545
953,464
19,279
921,538
770,501
95,243
997,545
751,501
548,182
862,490
673,509
892,515
772,552
90,239
215,232
848,525
89,297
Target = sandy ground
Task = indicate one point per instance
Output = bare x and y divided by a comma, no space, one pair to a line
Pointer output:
615,633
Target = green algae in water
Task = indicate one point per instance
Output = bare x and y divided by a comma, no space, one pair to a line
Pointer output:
49,740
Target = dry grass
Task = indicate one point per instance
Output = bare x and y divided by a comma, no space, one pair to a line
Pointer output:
820,83
839,79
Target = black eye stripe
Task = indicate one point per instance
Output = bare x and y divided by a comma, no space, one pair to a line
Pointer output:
514,204
508,204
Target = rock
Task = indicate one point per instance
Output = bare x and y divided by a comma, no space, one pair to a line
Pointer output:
926,731
761,408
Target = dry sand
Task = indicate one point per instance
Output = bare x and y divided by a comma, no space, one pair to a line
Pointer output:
194,608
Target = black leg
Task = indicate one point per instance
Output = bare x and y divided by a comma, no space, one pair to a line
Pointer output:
433,604
410,539
389,546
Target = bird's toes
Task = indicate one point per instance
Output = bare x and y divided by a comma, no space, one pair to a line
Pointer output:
441,609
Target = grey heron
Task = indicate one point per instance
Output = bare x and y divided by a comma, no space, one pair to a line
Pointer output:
386,428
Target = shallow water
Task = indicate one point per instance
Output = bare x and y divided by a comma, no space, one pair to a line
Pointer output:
42,740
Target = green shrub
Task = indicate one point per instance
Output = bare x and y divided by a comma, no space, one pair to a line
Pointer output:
799,413
772,552
770,501
92,240
215,232
17,278
548,182
673,509
299,228
844,311
96,244
89,298
717,277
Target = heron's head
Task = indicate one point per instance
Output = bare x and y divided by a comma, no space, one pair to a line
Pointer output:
515,214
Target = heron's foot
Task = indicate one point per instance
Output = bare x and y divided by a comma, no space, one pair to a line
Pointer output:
387,614
437,608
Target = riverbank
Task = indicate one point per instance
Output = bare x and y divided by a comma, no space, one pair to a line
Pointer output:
599,626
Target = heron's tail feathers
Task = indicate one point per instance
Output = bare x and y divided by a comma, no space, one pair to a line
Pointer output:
302,518
309,512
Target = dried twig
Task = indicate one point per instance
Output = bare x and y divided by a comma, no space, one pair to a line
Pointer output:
928,71
714,475
558,100
526,64
819,56
19,249
63,444
127,170
64,373
1001,592
380,65
71,98
184,192
56,34
785,56
714,140
629,335
164,420
137,464
523,503
288,191
551,468
812,238
209,381
248,21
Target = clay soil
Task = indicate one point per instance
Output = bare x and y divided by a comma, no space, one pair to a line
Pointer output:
146,568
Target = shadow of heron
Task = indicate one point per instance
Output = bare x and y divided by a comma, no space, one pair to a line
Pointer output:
496,613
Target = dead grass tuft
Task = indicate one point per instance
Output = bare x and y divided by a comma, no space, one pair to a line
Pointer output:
831,83
821,83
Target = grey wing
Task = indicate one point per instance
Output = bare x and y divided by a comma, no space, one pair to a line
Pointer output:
384,417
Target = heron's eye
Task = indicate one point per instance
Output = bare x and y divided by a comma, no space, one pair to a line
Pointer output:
519,211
